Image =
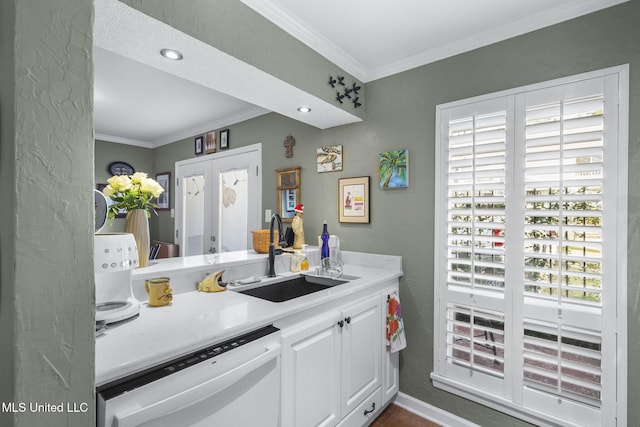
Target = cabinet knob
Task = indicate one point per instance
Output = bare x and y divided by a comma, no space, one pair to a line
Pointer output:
341,323
347,319
373,408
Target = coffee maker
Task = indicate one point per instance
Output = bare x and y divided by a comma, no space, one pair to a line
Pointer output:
115,256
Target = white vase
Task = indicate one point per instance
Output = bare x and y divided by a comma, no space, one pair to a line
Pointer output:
138,224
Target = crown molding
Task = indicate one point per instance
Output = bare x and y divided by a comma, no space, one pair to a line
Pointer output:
210,126
333,53
302,32
120,140
512,29
186,133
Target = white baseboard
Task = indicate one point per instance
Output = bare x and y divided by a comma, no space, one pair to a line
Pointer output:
424,410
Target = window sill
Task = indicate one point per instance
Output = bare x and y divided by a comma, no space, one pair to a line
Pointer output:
495,402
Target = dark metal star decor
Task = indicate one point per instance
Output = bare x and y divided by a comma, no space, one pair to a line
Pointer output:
349,91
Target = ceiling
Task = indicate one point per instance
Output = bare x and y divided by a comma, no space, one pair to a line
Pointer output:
143,99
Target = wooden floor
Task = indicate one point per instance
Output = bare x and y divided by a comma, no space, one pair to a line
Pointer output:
395,416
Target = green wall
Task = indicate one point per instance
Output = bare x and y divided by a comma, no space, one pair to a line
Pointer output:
400,113
46,294
46,240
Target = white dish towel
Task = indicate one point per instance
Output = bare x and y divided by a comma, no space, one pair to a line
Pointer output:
395,325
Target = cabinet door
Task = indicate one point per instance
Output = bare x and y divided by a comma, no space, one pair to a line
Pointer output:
311,373
390,361
361,344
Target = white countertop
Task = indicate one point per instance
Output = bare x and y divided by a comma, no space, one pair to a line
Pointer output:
198,319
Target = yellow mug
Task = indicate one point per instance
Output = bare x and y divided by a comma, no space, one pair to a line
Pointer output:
159,291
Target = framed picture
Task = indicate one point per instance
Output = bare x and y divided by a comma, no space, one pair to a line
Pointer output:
287,178
164,179
224,139
199,145
122,213
210,142
329,159
353,200
394,169
288,189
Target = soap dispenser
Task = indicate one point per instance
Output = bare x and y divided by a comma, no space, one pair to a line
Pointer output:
304,265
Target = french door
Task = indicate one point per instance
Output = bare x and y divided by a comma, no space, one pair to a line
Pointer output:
218,201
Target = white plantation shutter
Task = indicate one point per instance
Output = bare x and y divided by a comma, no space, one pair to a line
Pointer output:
529,248
564,222
475,223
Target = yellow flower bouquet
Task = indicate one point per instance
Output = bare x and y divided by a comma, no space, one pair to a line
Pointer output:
136,191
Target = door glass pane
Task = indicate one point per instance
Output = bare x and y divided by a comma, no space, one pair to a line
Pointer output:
233,205
194,215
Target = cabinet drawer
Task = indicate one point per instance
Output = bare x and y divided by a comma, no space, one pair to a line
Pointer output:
366,412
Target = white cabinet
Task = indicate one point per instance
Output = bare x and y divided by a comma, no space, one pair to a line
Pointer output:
361,343
332,364
311,373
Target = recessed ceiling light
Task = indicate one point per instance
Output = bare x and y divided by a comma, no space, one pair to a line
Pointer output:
304,109
172,54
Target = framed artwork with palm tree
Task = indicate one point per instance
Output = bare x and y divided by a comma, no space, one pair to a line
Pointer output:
394,169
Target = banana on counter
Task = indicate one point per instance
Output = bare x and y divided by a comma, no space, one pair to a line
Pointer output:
212,283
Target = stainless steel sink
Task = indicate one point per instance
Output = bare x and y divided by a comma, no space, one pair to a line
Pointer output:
293,288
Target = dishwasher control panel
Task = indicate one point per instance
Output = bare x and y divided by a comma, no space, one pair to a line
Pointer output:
139,379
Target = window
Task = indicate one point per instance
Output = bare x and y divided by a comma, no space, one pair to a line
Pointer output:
530,250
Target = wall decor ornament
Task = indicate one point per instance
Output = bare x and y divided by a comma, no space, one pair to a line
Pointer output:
120,168
353,200
210,142
164,180
288,188
224,139
348,92
394,169
329,159
289,142
199,145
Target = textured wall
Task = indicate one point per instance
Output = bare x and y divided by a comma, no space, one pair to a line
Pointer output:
7,227
47,245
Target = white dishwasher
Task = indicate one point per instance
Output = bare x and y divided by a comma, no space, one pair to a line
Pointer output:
233,383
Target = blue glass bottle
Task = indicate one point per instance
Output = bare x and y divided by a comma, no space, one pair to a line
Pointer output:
324,253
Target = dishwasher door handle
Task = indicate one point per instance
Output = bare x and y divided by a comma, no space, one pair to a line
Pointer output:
193,395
